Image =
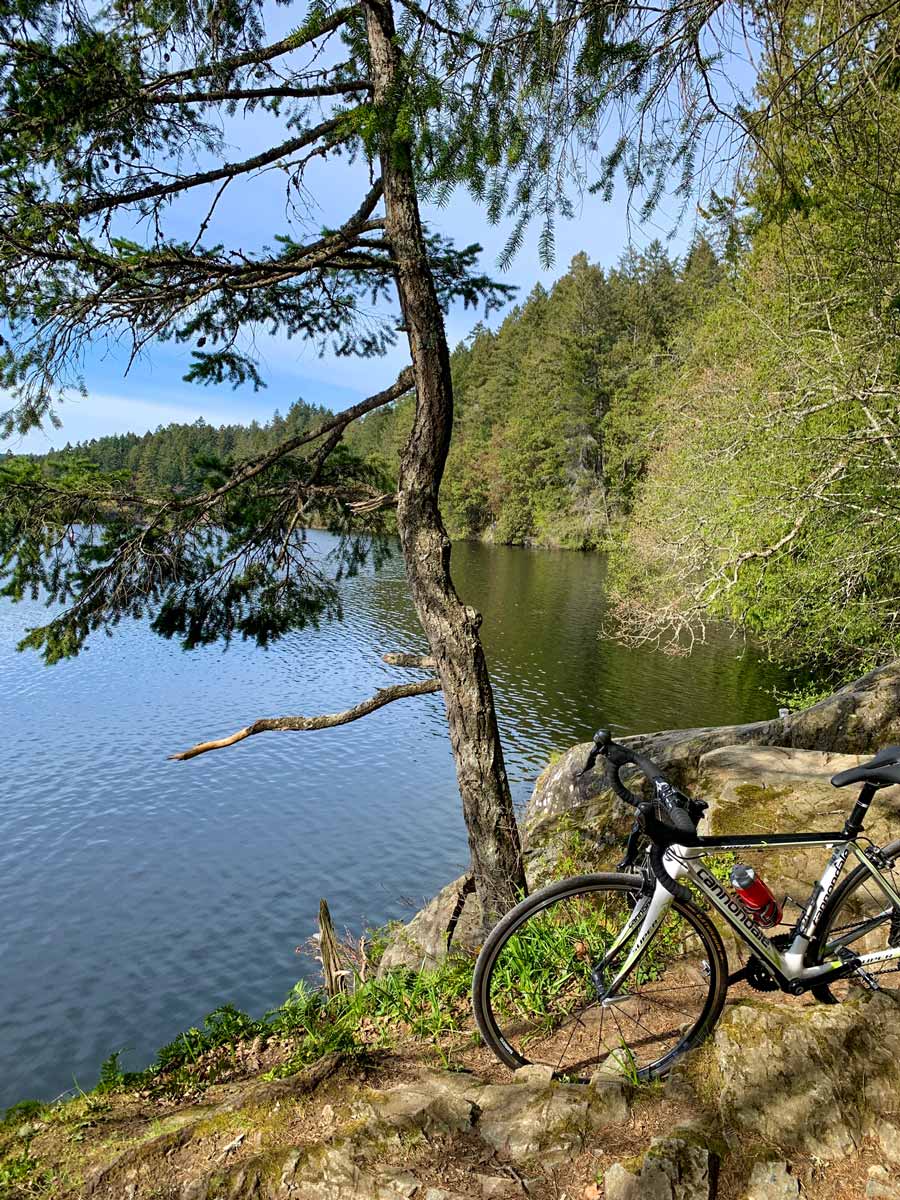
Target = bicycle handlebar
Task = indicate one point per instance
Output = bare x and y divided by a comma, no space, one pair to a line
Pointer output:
669,819
620,756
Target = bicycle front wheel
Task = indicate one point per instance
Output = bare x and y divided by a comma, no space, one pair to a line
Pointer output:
536,1002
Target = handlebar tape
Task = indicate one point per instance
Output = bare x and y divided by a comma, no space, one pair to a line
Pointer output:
665,820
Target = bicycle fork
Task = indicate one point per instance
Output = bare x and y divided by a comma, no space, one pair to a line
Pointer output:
643,922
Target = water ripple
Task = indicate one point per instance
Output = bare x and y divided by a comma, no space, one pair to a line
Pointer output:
138,894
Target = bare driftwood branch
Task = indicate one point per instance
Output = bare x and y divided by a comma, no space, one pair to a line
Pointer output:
426,661
303,724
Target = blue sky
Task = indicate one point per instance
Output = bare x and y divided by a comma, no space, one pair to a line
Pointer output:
153,392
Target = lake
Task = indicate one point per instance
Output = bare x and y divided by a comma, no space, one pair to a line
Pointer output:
138,894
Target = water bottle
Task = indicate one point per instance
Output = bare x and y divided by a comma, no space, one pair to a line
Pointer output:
755,896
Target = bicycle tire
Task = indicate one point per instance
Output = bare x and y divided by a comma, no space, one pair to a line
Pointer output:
708,975
837,992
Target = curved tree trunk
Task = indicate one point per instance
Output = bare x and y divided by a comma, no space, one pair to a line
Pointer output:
451,627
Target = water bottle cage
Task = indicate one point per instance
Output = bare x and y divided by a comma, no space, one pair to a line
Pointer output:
766,915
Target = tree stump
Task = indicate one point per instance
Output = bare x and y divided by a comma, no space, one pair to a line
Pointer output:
330,953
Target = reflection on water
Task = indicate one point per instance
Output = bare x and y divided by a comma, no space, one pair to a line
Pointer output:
138,894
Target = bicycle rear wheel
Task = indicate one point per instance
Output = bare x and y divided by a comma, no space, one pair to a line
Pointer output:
535,1001
859,916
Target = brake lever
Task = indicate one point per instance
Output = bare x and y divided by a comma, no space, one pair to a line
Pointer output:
589,764
601,740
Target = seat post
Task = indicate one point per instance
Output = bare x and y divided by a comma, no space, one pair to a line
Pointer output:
854,823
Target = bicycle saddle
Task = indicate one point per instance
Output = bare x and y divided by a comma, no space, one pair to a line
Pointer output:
881,771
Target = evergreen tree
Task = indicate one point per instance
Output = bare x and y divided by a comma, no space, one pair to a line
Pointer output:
772,498
557,412
96,110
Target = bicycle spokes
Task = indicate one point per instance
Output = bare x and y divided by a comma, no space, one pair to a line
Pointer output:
548,990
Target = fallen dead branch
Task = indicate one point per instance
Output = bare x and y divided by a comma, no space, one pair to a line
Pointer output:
306,724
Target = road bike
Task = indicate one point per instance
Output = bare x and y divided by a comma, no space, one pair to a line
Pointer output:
625,971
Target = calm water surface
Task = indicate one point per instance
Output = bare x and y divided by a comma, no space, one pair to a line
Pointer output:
138,894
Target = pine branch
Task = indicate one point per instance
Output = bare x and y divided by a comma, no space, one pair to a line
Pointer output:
294,41
263,93
255,466
461,35
157,191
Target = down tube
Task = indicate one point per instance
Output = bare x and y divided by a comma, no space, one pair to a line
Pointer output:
733,913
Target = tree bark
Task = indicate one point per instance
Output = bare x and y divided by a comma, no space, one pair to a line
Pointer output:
450,626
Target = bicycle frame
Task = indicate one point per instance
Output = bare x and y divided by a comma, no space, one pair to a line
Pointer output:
787,968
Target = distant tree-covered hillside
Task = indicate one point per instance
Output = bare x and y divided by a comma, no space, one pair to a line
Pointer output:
177,455
556,410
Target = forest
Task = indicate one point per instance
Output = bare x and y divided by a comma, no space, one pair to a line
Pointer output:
179,455
554,410
723,424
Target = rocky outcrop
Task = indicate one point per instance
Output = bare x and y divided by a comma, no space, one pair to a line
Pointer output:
565,802
819,1084
749,789
768,789
677,1167
423,942
772,1181
856,720
533,1116
882,1185
783,1094
376,1143
813,1078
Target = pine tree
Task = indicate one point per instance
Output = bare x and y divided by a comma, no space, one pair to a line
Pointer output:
96,109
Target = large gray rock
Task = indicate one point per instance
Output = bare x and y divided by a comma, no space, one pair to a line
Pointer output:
564,803
319,1173
422,943
551,1120
519,1121
435,1103
857,719
772,1181
526,1118
777,789
882,1185
816,1078
674,1168
888,1137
